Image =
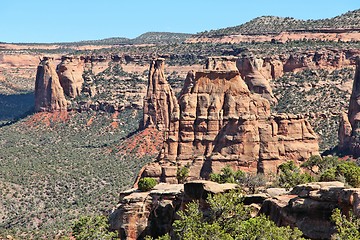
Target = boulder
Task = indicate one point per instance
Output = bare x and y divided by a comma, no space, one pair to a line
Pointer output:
147,213
201,189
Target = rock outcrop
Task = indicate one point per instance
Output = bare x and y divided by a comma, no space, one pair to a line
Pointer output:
249,69
349,129
160,106
309,207
49,95
222,123
70,72
152,213
221,63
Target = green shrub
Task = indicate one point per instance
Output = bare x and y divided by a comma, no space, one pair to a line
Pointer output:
348,228
328,175
351,173
92,227
228,218
290,175
344,171
227,175
182,174
145,184
321,163
247,180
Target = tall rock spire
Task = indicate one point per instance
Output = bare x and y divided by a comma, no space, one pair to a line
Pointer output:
349,130
49,95
160,106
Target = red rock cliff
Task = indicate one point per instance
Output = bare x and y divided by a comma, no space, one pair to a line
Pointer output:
70,72
222,123
49,95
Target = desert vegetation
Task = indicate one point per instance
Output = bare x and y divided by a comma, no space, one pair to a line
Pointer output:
52,172
273,24
64,174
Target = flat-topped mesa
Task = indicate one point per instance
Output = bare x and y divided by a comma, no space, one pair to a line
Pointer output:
349,130
49,95
222,123
70,72
160,105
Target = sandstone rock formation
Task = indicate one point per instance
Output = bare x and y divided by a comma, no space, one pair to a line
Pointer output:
160,106
221,63
96,64
349,129
222,123
249,69
49,95
70,72
309,207
152,213
147,213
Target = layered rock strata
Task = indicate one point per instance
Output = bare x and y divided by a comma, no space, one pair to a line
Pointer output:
49,95
349,129
309,207
70,72
152,213
257,82
160,105
222,123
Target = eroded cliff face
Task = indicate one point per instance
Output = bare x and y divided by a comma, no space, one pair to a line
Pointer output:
349,129
70,72
222,123
139,214
307,207
49,95
160,106
257,74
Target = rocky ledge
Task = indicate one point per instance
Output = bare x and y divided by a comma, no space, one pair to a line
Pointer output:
306,206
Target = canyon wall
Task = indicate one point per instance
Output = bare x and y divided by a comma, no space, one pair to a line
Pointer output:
222,123
256,71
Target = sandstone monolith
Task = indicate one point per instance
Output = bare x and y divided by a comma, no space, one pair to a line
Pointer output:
49,95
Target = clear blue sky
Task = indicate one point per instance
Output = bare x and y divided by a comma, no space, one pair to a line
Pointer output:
74,20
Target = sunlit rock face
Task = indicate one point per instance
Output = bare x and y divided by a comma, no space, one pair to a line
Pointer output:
219,122
70,72
49,95
160,105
